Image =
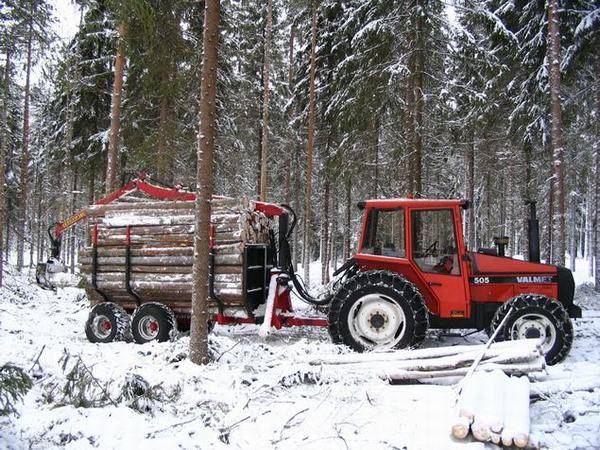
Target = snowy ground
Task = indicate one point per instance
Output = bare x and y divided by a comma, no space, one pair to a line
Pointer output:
259,393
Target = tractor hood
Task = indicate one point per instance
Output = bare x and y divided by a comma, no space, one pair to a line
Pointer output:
484,264
526,272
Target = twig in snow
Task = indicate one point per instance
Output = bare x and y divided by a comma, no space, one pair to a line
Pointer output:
228,350
460,385
38,358
178,424
97,382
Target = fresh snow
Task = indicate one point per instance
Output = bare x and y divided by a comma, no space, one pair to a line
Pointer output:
260,392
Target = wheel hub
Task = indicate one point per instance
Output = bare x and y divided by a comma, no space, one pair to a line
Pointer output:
535,326
101,326
377,321
148,328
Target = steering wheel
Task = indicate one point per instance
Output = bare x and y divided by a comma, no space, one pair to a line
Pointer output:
431,250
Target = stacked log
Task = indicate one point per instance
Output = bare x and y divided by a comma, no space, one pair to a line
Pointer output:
511,357
494,408
161,236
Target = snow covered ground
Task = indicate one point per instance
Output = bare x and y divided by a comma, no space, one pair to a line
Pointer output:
259,392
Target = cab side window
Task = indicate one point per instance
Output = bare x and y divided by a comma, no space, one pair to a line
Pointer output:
433,239
385,233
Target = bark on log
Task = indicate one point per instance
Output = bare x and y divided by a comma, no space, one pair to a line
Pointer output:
138,251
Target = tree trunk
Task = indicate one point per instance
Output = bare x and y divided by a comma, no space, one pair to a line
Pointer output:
73,242
3,151
309,146
325,224
204,183
162,163
25,154
265,117
374,135
526,196
290,159
115,114
471,192
556,139
572,233
597,200
348,225
418,99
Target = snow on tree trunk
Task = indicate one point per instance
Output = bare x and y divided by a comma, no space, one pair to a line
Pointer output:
204,183
419,97
596,250
556,138
265,116
25,155
3,150
309,146
115,114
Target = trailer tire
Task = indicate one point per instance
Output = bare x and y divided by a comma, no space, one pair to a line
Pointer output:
365,303
153,322
107,322
537,316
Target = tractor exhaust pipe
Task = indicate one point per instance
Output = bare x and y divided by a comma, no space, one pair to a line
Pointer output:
533,231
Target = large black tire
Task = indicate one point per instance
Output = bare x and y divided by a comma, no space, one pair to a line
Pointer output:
153,322
107,322
387,293
536,316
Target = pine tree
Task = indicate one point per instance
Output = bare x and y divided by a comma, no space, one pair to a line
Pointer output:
204,183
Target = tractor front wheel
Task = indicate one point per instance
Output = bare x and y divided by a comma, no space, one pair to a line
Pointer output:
378,310
107,322
152,322
536,317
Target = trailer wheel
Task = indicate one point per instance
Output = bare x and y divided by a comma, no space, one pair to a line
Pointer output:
152,322
107,322
378,310
536,316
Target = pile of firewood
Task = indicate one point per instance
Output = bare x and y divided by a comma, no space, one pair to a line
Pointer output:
161,236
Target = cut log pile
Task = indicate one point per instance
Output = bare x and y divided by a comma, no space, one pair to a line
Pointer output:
161,236
511,357
494,408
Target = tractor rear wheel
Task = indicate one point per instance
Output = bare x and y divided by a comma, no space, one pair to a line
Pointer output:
152,322
378,310
536,316
107,322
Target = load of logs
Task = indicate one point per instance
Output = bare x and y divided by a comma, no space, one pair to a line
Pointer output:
161,234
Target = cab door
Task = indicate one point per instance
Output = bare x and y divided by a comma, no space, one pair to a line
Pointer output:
435,248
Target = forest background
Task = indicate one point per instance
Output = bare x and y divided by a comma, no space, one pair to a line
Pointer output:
442,99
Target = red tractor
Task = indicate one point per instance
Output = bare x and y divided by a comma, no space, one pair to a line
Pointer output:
413,272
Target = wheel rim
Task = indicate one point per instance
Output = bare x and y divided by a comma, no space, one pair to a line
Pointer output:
101,326
532,326
148,328
377,321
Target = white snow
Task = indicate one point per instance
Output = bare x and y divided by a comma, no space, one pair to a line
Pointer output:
259,393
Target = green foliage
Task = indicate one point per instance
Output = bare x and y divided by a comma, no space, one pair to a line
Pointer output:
138,394
14,384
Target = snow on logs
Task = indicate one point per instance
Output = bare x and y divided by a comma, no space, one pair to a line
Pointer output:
161,236
494,408
511,357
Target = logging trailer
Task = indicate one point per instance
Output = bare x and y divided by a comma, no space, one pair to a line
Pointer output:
411,272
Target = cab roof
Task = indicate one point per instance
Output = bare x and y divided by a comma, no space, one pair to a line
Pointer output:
413,202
